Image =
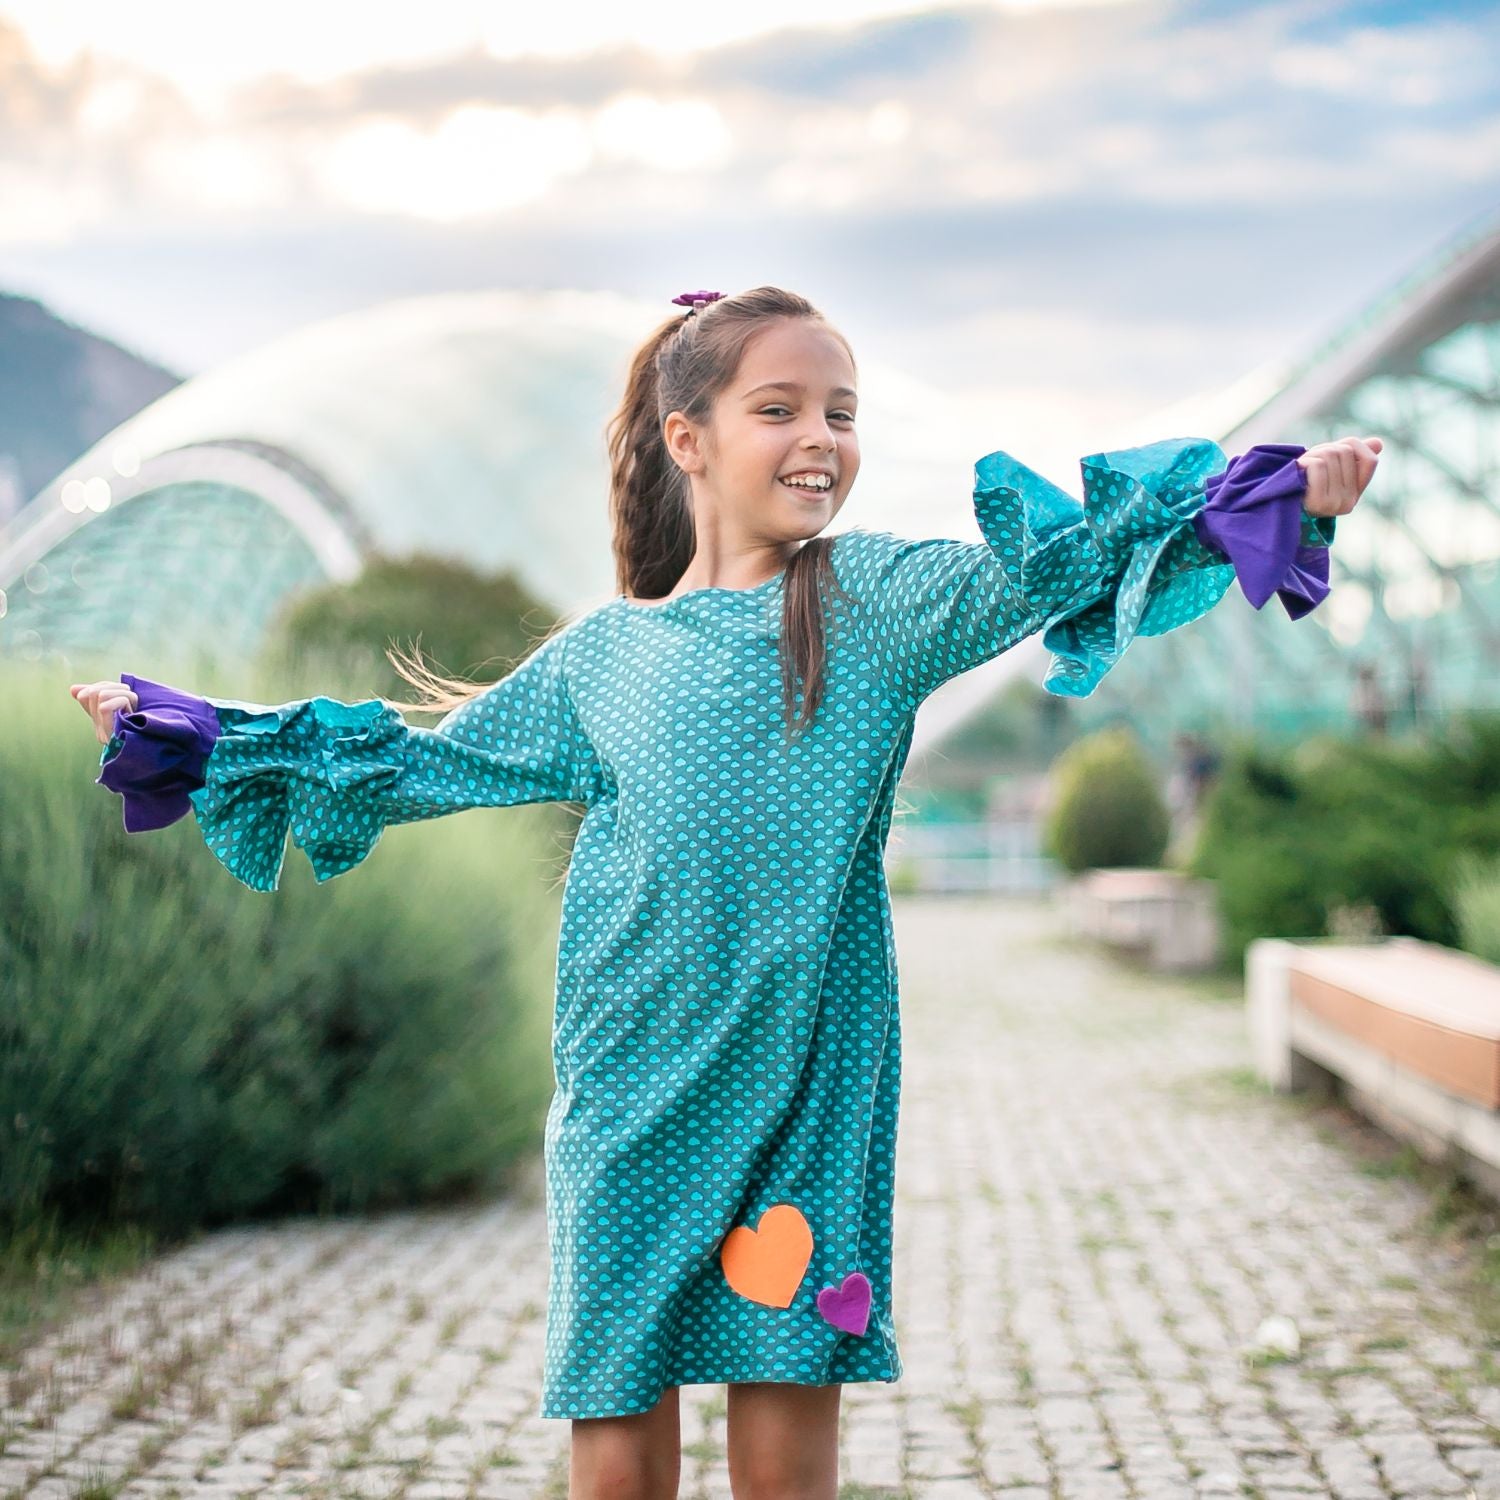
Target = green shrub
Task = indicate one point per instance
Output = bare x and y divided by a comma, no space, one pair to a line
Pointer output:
1252,844
1475,895
176,1049
1019,732
1298,839
1107,809
467,624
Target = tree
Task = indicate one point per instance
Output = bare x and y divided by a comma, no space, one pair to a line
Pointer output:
333,639
1108,809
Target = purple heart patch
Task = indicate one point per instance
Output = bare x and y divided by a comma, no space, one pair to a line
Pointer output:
847,1306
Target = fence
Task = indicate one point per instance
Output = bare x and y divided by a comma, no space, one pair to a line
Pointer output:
1001,855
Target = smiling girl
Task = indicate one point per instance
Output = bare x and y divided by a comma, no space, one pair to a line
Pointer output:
720,1147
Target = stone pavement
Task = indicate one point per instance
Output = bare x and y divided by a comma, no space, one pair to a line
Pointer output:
1096,1215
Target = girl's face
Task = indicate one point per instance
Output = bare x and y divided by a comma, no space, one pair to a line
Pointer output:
790,408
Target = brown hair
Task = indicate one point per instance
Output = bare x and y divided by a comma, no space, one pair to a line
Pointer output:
683,366
440,693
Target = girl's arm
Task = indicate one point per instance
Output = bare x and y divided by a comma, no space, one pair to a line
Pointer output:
335,774
1162,532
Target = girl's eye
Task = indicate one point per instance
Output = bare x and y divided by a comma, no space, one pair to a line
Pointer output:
847,414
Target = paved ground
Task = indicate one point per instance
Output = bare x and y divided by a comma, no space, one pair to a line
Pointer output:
1096,1215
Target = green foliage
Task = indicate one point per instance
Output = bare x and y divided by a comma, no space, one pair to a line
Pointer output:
1475,895
1020,731
1022,726
467,624
176,1049
1107,808
46,1270
1294,838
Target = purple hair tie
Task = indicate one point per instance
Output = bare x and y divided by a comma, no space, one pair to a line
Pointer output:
696,299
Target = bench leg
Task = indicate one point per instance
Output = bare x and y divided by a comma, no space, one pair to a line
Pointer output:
1268,1010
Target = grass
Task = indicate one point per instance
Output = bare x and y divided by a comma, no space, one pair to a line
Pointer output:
1229,1088
1460,1218
1463,1217
1222,986
47,1270
98,1486
260,1409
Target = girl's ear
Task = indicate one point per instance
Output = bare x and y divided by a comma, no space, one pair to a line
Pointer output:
683,442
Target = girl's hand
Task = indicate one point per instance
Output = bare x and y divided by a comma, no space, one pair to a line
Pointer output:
99,700
1337,474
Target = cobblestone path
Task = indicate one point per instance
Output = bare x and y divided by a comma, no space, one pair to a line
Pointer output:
1097,1210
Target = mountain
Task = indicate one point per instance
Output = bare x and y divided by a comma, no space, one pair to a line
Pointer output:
61,389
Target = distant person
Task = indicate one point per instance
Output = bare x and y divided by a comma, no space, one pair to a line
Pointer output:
1180,797
1367,700
720,1148
1419,687
1203,769
1193,774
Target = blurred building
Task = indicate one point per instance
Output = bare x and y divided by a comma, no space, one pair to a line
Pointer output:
1411,629
473,424
1409,633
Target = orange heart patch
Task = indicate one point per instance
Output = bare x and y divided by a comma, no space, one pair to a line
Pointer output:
767,1264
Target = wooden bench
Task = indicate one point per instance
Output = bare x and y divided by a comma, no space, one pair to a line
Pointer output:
1167,919
1412,1029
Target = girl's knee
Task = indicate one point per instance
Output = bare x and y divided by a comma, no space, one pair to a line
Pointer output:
627,1458
623,1476
783,1442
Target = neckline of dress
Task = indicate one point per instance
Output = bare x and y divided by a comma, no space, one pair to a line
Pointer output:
656,606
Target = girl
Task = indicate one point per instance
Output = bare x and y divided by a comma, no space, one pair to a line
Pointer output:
721,1142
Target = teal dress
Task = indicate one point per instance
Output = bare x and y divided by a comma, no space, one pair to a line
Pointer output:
720,1147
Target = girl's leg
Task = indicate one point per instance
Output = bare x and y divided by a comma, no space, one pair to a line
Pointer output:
628,1458
784,1441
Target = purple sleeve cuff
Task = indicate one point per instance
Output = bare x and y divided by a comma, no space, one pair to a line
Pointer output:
157,754
1254,516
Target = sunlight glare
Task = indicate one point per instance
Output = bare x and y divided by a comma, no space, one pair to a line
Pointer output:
479,160
674,135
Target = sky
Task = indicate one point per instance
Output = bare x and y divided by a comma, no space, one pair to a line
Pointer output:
1064,215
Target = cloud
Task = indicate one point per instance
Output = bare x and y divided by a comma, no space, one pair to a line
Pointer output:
817,65
965,176
480,160
966,106
1415,65
675,135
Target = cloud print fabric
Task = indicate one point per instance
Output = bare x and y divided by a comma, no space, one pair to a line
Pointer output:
720,1148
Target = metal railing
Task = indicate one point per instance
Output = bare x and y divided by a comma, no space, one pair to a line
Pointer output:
1000,855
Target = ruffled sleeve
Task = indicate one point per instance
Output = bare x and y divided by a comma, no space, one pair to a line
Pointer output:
1162,532
334,775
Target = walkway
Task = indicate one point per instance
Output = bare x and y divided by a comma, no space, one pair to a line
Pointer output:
1098,1209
